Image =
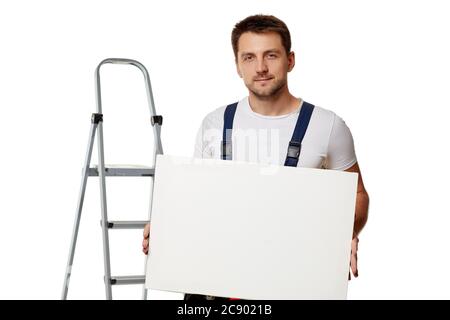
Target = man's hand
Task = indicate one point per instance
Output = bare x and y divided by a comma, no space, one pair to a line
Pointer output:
354,258
361,214
146,241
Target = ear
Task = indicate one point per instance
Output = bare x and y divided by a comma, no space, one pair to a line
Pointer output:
291,61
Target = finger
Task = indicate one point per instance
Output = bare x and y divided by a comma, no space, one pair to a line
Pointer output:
147,230
354,245
354,264
145,246
354,256
355,242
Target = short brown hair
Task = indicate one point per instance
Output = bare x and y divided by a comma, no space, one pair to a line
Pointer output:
260,24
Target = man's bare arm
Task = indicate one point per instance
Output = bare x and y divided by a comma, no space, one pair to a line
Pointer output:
361,214
362,203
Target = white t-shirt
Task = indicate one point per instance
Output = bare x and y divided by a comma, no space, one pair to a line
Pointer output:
327,144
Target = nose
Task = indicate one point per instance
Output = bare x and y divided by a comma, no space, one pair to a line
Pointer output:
261,66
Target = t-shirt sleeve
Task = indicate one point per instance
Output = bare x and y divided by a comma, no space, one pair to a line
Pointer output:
341,150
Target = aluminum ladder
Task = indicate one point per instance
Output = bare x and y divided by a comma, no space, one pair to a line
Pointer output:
103,171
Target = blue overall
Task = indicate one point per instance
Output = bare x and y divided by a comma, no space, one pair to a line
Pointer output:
295,145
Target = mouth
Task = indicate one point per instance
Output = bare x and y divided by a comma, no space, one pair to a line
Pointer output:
263,79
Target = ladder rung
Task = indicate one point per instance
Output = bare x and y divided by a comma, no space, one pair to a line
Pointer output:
126,224
127,280
123,171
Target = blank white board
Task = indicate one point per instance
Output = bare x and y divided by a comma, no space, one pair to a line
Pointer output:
250,231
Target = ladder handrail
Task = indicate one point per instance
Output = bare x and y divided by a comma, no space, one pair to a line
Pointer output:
148,87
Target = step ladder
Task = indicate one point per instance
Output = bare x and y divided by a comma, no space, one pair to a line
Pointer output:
103,171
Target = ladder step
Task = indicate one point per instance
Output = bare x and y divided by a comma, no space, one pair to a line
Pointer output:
123,171
127,280
126,224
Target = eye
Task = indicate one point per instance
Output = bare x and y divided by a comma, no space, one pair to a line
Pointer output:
272,56
248,58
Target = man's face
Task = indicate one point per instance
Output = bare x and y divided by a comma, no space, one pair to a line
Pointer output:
263,64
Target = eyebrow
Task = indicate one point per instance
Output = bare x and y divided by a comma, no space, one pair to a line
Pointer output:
265,52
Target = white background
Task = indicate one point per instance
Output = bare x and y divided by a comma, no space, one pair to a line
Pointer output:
383,66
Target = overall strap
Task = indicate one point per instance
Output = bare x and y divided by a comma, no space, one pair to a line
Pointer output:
295,145
228,118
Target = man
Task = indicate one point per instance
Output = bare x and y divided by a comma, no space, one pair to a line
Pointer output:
263,123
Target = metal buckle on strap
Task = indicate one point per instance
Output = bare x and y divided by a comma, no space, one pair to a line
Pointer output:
294,149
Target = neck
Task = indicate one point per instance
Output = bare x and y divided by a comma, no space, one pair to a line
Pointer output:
281,103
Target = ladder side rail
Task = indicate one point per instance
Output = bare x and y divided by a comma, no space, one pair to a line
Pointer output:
76,224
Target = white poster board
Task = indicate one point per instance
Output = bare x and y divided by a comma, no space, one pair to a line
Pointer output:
250,231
